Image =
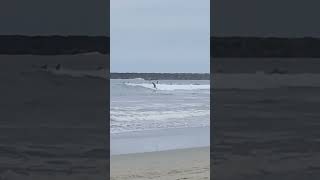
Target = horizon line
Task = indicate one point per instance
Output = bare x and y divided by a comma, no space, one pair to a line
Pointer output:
211,36
165,72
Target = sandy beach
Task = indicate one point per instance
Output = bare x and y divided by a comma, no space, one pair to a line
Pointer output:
162,135
191,164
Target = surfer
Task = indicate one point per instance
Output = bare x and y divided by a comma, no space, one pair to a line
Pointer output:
154,85
58,66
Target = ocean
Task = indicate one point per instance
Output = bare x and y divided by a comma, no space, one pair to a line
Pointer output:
137,106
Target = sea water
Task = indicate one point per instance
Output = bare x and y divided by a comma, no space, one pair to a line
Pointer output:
137,106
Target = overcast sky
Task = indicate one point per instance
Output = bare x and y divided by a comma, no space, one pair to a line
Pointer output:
229,17
283,18
47,17
160,36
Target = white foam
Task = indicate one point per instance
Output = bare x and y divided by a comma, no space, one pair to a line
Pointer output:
156,115
171,87
80,73
122,121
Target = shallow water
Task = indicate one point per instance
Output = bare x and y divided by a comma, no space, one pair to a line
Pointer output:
137,106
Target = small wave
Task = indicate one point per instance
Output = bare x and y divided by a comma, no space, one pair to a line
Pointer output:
171,87
262,81
126,116
122,121
81,73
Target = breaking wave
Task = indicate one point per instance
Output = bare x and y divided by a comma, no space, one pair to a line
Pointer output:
262,81
171,87
81,73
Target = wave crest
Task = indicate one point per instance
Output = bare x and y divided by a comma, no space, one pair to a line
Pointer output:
171,87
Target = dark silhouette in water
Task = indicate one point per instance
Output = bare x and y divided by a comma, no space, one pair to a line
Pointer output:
154,85
44,66
278,71
58,66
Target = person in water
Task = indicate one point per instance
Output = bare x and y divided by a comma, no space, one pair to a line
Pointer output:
58,66
154,85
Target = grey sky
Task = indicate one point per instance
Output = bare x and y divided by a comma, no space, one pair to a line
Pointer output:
160,35
229,17
47,17
284,18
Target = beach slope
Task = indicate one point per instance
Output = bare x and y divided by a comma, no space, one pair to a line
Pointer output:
191,164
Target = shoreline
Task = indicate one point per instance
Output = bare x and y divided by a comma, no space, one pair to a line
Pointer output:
190,163
159,140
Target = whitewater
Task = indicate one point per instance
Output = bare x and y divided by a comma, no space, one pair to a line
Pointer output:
137,106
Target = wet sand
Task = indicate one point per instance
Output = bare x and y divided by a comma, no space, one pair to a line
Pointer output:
159,140
189,164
